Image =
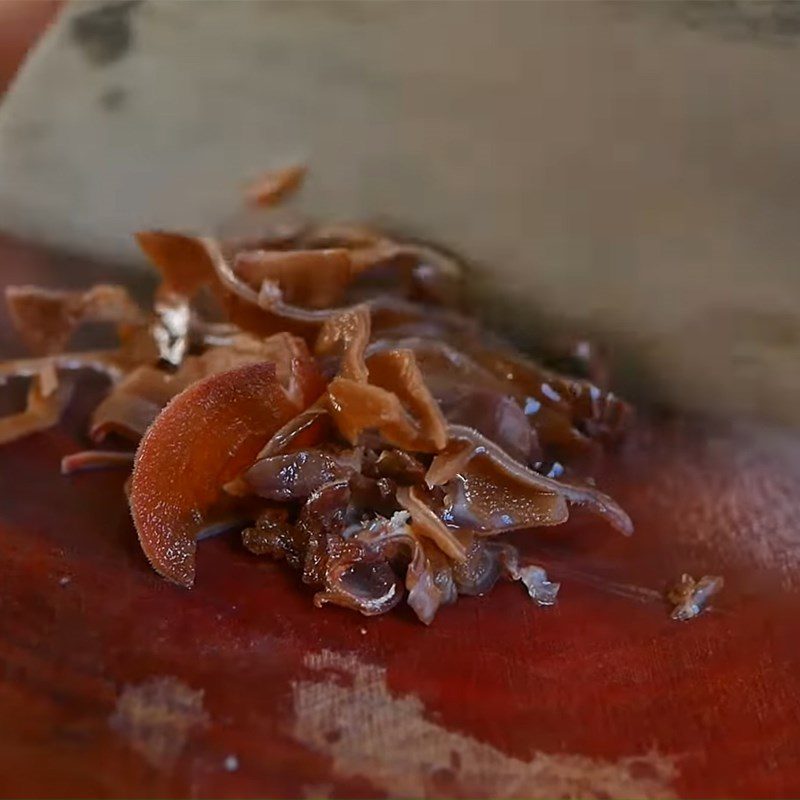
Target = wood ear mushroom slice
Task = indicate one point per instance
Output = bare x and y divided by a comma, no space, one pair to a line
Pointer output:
206,436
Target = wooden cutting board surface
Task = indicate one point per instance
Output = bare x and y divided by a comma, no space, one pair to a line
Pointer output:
114,683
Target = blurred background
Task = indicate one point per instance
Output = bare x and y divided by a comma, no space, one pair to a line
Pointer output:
622,171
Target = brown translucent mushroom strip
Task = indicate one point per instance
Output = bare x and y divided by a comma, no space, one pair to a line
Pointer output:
136,346
295,367
356,407
429,581
187,263
564,402
135,402
395,388
299,474
350,330
589,497
497,416
308,278
437,359
398,465
254,228
601,414
47,381
426,522
131,406
358,579
397,372
95,459
368,252
206,436
450,462
443,263
212,334
469,394
307,429
488,500
104,361
423,271
276,185
47,318
373,254
265,311
358,572
182,260
343,234
262,311
370,248
270,298
46,401
184,268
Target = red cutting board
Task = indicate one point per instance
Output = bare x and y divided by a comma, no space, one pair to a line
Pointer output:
114,683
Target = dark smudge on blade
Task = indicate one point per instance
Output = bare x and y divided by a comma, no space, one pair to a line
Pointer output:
104,33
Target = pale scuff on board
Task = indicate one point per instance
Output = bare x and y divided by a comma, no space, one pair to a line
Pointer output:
156,717
346,711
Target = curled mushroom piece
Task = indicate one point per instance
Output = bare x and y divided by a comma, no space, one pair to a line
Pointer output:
106,363
309,278
206,435
47,399
134,403
513,473
541,589
358,579
429,581
46,319
350,331
490,492
274,186
299,474
322,385
96,459
428,524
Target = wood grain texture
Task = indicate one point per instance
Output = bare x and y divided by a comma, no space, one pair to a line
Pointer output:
114,683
